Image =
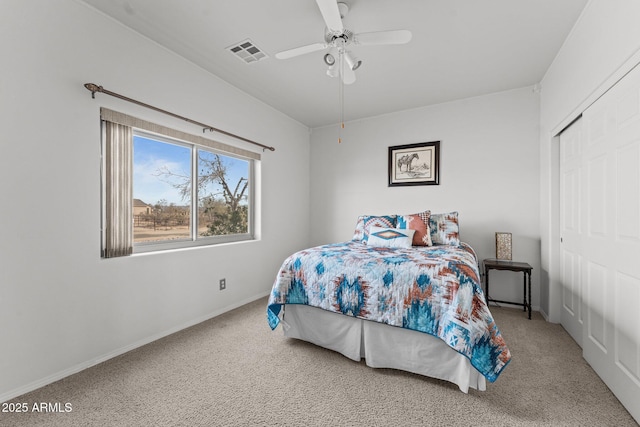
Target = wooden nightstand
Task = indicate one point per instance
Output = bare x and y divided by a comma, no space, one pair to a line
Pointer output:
498,264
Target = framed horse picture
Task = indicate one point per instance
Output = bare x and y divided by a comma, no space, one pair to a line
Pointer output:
414,164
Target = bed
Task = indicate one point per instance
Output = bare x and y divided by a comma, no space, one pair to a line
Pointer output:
405,294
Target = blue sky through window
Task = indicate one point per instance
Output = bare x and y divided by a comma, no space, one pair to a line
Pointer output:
151,157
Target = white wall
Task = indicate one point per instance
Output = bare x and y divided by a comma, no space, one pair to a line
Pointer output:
603,45
62,307
488,173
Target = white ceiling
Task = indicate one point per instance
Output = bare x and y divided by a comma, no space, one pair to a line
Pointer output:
459,49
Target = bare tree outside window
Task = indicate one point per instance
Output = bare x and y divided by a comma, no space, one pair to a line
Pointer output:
221,196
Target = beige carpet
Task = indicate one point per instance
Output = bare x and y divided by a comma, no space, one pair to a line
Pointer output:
233,370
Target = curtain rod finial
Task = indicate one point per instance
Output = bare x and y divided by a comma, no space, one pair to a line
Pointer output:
93,88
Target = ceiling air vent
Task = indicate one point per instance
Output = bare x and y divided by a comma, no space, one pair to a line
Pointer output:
247,51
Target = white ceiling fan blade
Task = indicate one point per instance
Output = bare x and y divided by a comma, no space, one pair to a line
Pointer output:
331,15
347,74
286,54
383,37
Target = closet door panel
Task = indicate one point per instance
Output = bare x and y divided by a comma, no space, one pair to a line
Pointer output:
611,243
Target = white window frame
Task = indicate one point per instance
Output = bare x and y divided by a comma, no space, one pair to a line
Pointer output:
195,239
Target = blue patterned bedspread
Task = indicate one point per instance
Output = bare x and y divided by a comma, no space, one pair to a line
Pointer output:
435,290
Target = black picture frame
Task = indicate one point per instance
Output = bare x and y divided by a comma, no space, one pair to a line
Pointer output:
414,164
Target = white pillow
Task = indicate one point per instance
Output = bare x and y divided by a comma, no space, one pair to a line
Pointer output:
386,237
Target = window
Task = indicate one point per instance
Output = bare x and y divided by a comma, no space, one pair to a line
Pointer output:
165,189
182,192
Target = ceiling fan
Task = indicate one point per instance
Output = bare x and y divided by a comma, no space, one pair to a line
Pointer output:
338,39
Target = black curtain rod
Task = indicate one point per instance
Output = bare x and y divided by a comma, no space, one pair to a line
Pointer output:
96,88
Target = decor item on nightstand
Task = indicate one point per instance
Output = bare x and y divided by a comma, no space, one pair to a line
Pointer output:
503,246
414,164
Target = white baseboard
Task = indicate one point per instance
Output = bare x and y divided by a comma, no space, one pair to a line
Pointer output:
507,305
544,315
103,358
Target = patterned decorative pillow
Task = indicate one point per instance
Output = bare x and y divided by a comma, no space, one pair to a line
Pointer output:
420,223
358,234
444,228
386,237
386,221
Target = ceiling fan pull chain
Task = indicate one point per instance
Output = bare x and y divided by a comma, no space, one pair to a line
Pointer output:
341,94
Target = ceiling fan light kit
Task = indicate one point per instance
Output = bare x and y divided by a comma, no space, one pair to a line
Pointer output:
329,59
332,71
353,62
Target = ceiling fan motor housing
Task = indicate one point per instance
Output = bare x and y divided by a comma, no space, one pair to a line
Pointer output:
332,38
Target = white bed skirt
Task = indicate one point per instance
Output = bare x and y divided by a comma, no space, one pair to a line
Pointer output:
382,346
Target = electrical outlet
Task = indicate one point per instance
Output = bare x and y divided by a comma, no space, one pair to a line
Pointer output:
223,284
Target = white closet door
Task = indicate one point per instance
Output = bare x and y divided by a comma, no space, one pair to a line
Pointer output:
611,239
571,151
